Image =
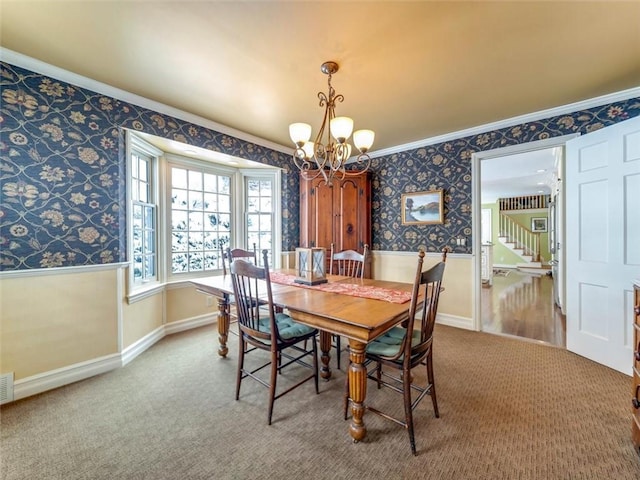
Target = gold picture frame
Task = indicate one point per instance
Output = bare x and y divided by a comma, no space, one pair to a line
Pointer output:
423,208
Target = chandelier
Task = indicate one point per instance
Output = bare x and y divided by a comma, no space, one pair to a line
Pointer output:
328,156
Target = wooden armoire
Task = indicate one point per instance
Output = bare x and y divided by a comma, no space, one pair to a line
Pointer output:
339,214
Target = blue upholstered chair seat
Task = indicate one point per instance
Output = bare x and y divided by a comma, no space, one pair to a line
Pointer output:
389,344
287,327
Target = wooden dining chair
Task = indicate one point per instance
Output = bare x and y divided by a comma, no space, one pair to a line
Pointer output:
351,264
348,262
227,257
406,347
272,332
230,254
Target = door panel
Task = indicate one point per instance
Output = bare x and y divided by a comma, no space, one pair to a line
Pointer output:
348,219
602,238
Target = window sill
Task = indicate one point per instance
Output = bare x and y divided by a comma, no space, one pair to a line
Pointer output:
145,292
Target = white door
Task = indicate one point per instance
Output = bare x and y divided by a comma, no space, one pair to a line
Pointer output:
559,282
603,242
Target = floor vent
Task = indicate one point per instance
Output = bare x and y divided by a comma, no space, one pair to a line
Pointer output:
6,388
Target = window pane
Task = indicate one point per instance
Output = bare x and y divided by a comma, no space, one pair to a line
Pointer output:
179,242
195,200
211,221
252,204
179,220
210,241
265,223
178,178
210,261
179,263
136,244
225,223
137,268
265,188
210,202
253,238
143,195
143,170
224,203
134,166
149,266
253,220
195,180
179,198
210,182
224,185
265,240
196,221
266,205
148,217
149,243
137,216
253,187
195,241
196,262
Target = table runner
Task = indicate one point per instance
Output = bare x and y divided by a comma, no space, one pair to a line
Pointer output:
364,291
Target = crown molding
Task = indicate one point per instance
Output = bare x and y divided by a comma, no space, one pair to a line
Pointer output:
43,68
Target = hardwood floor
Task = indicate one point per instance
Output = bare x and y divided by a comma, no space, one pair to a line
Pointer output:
522,305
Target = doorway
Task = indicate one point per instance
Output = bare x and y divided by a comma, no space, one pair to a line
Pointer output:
516,300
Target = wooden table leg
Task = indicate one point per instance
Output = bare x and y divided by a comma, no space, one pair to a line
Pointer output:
223,325
325,348
357,389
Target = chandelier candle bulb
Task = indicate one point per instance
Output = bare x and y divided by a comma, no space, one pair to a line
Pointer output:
341,128
300,133
363,139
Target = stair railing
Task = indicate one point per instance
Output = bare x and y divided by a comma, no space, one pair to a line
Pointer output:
520,236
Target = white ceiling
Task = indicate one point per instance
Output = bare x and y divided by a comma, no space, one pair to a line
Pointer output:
528,173
408,70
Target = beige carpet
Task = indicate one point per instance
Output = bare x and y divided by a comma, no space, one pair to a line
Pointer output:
509,410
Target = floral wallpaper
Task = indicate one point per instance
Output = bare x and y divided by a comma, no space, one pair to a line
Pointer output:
62,169
447,166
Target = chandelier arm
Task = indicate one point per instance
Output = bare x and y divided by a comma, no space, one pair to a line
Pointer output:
308,176
362,159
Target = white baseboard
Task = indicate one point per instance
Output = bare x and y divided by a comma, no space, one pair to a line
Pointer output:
189,323
42,382
454,321
146,342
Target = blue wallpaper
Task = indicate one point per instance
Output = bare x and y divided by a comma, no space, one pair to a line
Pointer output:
62,167
62,164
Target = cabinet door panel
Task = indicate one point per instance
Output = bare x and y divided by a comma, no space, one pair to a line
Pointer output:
348,216
325,212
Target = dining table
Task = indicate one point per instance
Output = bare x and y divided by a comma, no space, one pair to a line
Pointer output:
358,309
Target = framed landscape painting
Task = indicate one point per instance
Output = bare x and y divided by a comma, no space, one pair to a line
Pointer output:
422,208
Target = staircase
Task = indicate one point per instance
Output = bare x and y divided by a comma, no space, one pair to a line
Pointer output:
521,241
